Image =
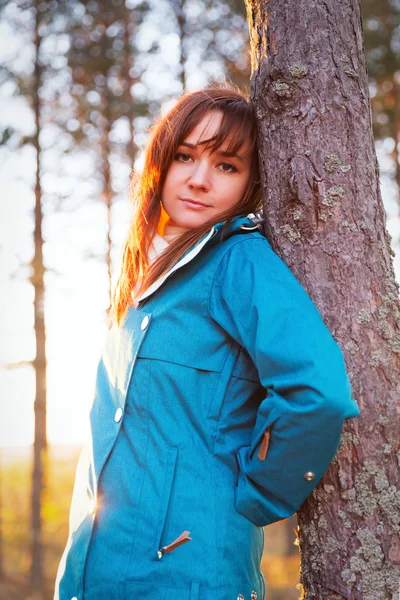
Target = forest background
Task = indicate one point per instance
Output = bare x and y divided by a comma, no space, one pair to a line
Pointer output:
79,81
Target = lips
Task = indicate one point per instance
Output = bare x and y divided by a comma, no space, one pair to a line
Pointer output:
194,203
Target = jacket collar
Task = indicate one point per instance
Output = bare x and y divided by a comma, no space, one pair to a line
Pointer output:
238,224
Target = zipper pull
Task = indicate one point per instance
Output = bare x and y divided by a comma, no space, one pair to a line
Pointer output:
184,537
262,453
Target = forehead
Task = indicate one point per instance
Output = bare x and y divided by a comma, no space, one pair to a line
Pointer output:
208,128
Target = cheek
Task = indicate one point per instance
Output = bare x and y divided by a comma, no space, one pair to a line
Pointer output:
167,182
234,192
172,179
167,186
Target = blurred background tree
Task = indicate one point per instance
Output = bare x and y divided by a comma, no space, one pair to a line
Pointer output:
382,44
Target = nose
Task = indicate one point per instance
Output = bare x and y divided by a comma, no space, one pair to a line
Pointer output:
199,176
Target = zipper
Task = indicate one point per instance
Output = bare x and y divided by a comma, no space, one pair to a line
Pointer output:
182,539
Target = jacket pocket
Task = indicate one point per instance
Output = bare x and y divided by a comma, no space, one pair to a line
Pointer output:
222,384
161,544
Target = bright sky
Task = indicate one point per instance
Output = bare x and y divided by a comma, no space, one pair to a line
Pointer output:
76,284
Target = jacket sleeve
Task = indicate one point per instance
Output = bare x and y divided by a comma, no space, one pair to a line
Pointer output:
258,301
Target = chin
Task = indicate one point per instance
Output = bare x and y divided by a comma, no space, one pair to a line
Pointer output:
192,222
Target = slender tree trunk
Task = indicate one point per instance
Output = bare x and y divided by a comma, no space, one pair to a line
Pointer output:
396,149
107,185
39,363
179,7
129,80
326,219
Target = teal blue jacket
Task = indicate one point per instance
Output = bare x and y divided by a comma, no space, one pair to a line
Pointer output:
218,407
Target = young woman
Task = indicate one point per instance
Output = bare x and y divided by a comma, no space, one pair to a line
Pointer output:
220,395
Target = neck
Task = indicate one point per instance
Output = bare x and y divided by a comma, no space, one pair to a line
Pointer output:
171,228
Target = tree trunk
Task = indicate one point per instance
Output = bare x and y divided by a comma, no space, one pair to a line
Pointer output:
396,150
325,217
129,80
180,9
107,192
39,362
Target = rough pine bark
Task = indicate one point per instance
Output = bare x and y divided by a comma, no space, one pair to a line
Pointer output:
326,219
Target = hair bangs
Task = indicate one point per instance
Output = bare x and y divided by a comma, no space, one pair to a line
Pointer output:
236,133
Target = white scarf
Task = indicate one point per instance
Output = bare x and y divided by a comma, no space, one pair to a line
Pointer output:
157,246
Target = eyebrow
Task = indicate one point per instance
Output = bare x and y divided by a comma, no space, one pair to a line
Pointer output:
220,152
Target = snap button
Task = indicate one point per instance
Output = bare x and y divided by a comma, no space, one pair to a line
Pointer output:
118,415
309,475
240,597
74,598
144,323
253,595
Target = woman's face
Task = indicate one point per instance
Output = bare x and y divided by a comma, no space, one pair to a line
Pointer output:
200,184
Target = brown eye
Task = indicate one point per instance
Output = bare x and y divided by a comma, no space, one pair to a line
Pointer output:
182,157
228,168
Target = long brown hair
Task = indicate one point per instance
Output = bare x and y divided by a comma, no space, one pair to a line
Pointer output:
238,128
